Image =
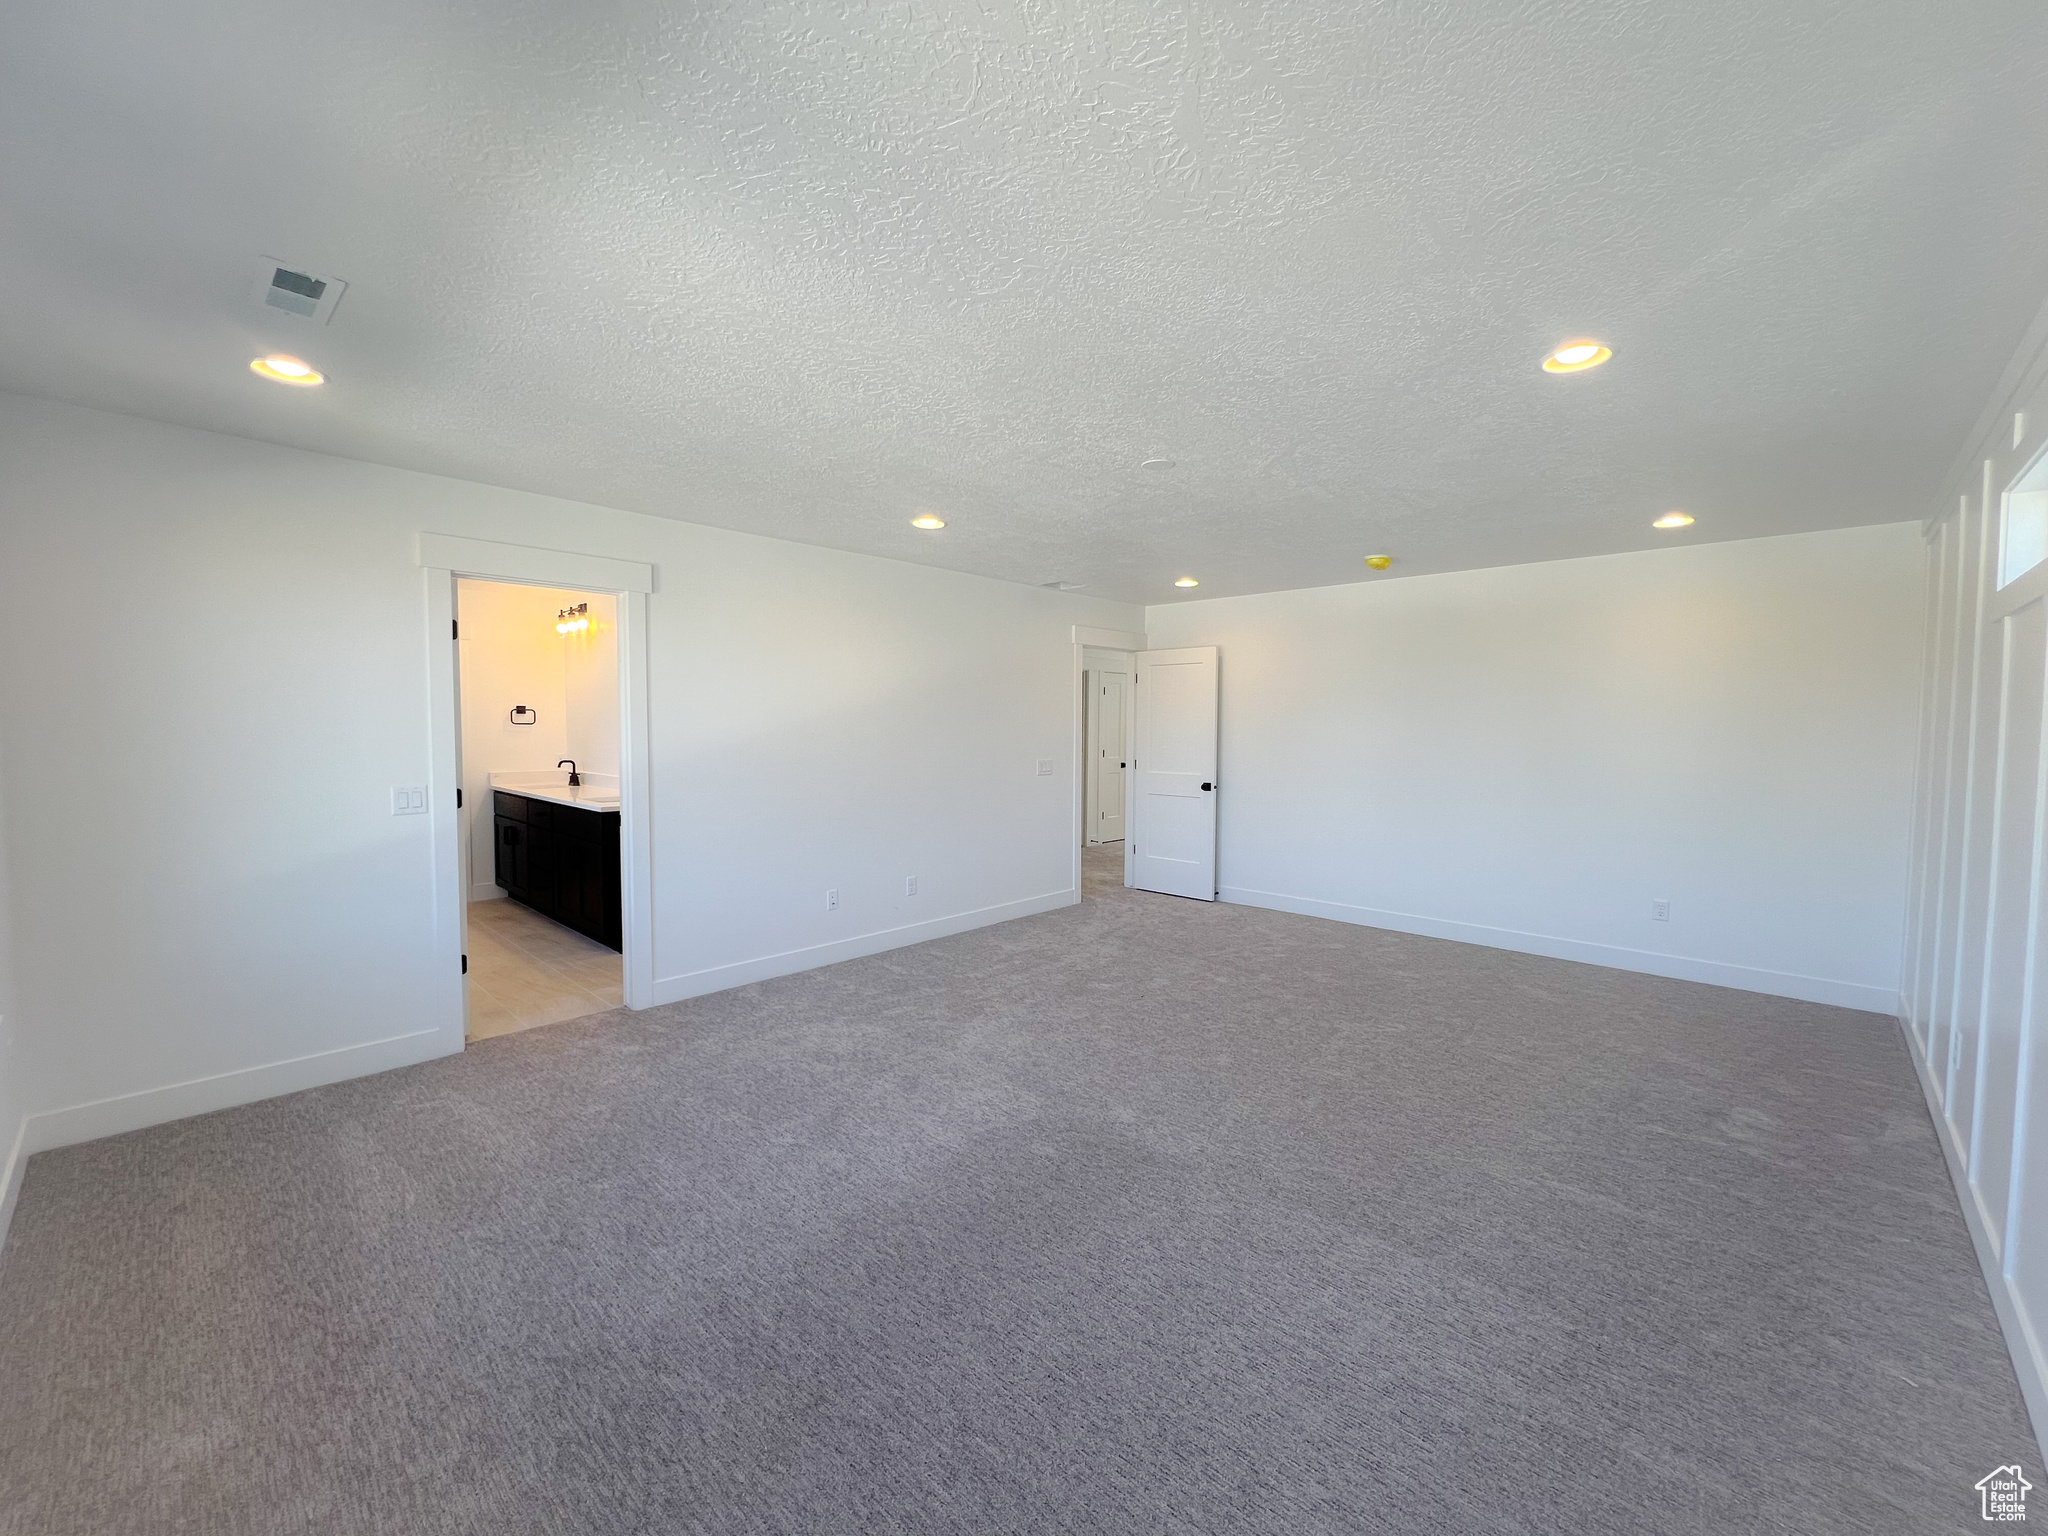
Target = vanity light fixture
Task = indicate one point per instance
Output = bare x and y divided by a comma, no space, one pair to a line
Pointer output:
1576,357
1187,581
928,522
286,369
573,621
1673,520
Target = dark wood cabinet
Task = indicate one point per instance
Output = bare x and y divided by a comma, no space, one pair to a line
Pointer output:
562,861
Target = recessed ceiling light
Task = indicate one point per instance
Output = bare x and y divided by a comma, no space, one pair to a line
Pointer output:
1379,562
286,369
1187,581
1576,357
1157,464
927,521
1673,520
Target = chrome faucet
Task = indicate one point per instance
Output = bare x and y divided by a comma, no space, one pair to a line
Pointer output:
570,764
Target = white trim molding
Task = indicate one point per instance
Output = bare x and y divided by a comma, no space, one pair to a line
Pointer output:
2029,1362
449,863
636,813
444,559
1109,639
225,1090
534,567
10,1174
1974,1006
1615,957
718,978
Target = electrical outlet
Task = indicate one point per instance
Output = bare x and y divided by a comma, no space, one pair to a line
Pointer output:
1045,767
832,901
1660,910
910,886
408,799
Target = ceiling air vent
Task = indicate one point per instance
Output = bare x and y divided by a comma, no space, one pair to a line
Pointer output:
1061,586
285,287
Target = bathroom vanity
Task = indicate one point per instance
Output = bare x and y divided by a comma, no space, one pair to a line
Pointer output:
557,851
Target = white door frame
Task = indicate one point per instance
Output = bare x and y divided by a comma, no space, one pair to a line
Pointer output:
443,558
1086,635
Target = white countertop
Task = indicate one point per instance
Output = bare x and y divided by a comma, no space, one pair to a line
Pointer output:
598,791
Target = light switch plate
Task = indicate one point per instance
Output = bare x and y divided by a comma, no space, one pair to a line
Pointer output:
1045,767
409,800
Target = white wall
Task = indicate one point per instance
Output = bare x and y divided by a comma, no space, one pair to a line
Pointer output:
1976,990
511,655
224,905
1529,756
590,688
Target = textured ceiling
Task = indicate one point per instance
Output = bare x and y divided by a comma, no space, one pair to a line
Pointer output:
808,269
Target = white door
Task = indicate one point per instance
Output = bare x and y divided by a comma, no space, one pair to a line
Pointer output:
1106,693
1172,836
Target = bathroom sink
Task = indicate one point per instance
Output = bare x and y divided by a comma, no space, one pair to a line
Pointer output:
590,797
594,798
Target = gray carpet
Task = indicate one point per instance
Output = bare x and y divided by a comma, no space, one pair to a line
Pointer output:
1145,1215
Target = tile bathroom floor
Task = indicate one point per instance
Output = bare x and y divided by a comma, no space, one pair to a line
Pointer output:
526,970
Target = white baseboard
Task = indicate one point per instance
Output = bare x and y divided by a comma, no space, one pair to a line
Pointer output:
486,893
10,1173
718,978
224,1090
2021,1342
1810,989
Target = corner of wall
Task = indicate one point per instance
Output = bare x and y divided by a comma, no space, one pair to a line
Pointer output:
11,1168
13,1116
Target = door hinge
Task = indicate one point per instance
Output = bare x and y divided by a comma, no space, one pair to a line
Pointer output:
465,965
455,629
458,798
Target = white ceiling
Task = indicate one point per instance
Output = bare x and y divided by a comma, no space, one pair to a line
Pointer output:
808,269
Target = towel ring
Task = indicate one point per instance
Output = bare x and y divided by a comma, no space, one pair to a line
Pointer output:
532,716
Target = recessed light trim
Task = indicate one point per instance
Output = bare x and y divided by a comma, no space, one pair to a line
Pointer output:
1673,520
1187,581
1576,357
1158,464
928,522
283,368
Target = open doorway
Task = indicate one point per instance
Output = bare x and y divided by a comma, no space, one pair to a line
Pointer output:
538,671
1105,738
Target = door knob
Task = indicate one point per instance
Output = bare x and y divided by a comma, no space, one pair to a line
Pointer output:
1207,785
